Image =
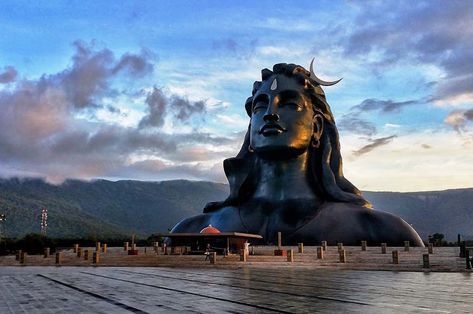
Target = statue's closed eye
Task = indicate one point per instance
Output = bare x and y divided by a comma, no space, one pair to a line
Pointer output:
292,105
260,105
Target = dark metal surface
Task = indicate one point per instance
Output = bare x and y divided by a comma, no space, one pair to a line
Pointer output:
288,174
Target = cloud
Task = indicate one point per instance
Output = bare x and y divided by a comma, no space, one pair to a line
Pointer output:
384,106
407,165
459,119
374,144
45,129
8,75
135,65
423,32
242,48
184,108
352,123
159,104
149,169
93,71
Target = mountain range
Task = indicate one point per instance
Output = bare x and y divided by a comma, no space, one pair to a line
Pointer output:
104,208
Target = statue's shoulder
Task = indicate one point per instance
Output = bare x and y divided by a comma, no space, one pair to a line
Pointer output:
192,224
350,224
394,228
380,226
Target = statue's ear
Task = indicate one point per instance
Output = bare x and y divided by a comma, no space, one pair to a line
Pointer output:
318,125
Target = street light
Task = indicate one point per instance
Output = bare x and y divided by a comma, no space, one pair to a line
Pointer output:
44,221
3,218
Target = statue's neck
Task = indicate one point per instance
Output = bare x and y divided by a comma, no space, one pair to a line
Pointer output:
282,180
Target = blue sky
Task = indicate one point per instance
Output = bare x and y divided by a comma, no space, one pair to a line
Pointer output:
153,90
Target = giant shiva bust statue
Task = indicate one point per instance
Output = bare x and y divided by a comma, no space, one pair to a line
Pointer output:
288,175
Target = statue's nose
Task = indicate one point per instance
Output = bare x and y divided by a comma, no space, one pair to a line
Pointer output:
271,113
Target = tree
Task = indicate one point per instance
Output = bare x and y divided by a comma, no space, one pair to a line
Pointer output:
438,239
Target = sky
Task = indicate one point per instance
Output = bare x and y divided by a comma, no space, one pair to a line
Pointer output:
155,90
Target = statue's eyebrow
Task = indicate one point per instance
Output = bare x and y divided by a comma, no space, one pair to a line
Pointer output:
286,95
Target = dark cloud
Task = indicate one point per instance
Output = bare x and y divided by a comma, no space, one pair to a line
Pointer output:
135,65
354,124
431,32
377,142
453,87
113,109
92,72
384,106
459,119
469,114
352,121
198,137
112,140
243,49
159,105
184,108
426,146
8,75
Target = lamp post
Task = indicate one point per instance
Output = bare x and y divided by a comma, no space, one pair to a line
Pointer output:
3,218
44,221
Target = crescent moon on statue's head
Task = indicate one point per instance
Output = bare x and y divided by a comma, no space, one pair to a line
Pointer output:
315,78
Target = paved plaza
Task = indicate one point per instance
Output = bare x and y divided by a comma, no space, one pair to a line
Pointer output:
245,289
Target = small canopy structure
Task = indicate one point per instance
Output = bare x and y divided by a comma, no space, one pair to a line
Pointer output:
233,242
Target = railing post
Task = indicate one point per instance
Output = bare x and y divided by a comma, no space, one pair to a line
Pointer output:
431,248
96,257
468,260
300,248
395,257
290,256
425,261
243,256
213,257
22,257
407,246
383,248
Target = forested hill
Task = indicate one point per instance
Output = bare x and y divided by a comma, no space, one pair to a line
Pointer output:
106,208
103,208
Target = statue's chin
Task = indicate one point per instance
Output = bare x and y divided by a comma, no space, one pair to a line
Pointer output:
274,152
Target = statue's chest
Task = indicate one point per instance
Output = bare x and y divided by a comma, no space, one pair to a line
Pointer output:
269,218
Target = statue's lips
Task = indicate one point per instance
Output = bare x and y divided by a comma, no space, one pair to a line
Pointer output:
270,129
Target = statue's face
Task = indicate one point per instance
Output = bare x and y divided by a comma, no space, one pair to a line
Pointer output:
282,119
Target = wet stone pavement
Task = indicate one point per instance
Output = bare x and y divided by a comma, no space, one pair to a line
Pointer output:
241,290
